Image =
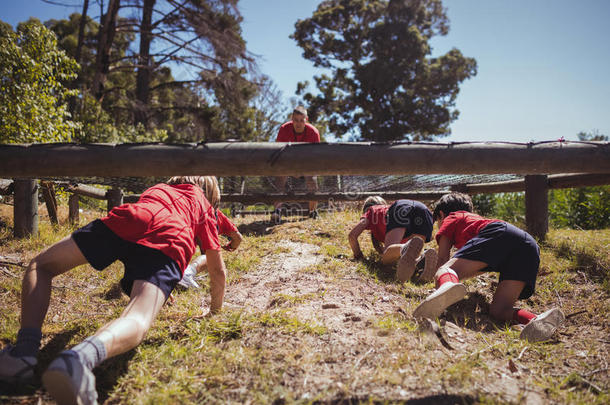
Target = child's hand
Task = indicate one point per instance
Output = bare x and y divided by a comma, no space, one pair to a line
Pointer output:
228,247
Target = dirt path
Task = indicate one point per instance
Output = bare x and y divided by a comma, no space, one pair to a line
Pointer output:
355,355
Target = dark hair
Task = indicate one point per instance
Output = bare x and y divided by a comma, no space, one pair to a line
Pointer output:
452,202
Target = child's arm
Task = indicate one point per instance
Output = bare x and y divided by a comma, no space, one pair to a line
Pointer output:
236,239
377,245
444,249
353,237
217,271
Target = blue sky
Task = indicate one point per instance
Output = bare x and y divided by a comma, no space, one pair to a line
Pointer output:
542,64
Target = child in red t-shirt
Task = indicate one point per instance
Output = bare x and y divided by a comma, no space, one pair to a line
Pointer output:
154,238
398,232
225,227
486,245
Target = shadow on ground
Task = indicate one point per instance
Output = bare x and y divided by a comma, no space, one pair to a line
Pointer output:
441,399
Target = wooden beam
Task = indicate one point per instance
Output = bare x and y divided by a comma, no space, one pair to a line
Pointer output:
88,191
553,181
274,158
25,210
268,198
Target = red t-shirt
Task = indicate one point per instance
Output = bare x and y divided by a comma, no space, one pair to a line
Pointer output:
378,222
168,218
461,226
287,134
225,226
376,217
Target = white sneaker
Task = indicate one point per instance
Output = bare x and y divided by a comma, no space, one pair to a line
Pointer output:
435,304
429,258
68,381
188,279
408,254
16,370
543,326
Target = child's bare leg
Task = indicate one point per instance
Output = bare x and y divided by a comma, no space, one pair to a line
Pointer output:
18,361
36,285
449,289
507,293
69,378
312,186
280,184
463,269
128,331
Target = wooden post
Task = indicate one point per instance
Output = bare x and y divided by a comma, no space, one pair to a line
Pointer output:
115,197
537,205
25,210
73,209
48,193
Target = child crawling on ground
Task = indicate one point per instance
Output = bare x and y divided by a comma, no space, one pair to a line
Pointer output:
398,232
486,245
155,239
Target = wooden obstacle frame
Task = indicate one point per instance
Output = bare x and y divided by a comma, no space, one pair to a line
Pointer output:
543,164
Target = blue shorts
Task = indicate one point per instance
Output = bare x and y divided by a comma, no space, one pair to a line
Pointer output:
102,247
414,216
508,250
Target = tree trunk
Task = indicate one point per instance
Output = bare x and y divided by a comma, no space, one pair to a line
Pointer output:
81,32
48,193
144,64
73,209
104,45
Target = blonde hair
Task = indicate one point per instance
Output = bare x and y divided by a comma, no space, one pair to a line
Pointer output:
208,184
372,200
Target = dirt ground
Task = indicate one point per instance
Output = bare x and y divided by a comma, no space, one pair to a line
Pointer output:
361,344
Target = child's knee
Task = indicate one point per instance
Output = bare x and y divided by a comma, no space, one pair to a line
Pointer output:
444,269
41,267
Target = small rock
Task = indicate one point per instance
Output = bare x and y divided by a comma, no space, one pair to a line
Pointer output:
330,305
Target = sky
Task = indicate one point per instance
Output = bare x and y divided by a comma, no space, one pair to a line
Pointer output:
543,65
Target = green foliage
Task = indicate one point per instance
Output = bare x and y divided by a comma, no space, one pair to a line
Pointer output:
509,207
580,208
577,208
594,135
384,84
33,73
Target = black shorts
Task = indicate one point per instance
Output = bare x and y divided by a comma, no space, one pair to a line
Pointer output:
508,250
102,247
414,216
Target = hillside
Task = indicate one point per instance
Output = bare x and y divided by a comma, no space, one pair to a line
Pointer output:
304,323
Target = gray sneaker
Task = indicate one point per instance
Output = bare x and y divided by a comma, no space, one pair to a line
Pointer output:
429,259
435,304
188,279
68,381
408,254
16,370
543,326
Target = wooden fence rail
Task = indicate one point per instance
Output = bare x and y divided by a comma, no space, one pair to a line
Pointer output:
268,159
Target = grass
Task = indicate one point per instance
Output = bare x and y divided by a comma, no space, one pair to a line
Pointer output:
286,344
